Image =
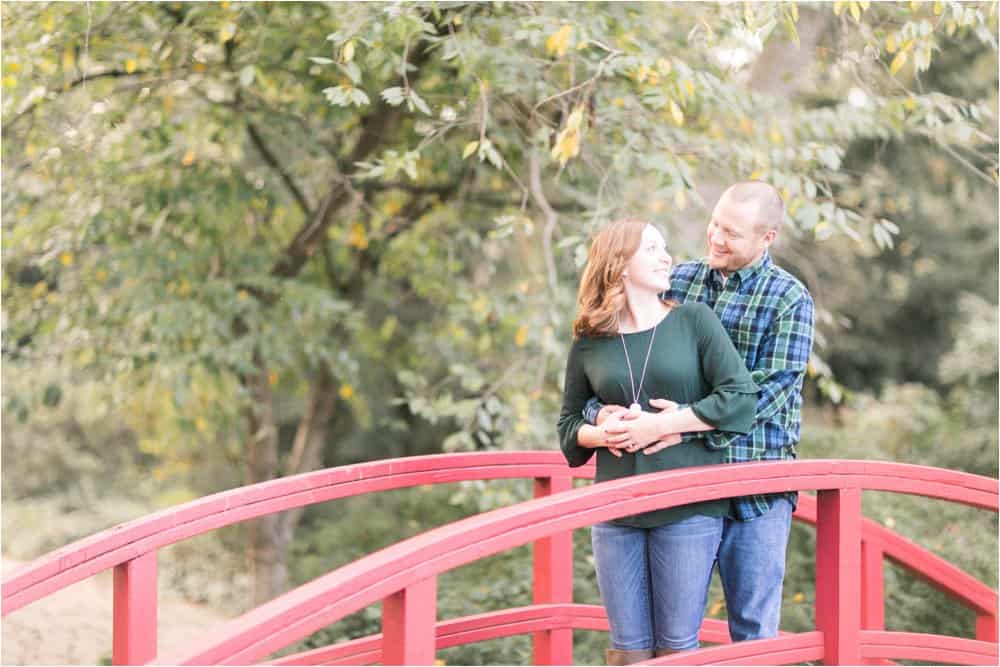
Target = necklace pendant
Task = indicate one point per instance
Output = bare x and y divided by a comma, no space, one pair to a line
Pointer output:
635,407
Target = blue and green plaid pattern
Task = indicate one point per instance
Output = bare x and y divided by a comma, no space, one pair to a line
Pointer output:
768,314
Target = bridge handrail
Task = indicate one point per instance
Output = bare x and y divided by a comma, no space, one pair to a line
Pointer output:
410,568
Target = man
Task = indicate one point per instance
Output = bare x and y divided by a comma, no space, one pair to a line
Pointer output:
768,314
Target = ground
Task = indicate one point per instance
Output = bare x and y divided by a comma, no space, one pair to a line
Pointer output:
73,626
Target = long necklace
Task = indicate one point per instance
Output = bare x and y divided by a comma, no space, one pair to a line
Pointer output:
635,407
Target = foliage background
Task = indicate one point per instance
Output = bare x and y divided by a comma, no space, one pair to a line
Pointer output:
245,240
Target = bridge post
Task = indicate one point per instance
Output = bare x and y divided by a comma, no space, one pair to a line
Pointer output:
409,620
553,580
134,615
986,627
838,587
872,591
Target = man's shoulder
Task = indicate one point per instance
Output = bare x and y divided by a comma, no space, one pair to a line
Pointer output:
689,269
786,286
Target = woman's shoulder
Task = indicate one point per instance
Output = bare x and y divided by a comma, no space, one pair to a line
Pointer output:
693,310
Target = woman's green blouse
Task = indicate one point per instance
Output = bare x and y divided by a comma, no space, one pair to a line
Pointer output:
692,361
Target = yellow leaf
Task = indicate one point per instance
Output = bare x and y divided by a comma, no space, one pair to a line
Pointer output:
716,608
575,118
676,113
188,158
40,289
914,5
795,11
272,378
49,22
838,7
348,53
909,104
522,336
558,42
357,237
66,259
201,424
100,275
51,298
618,102
185,287
567,145
68,59
129,66
657,206
798,597
457,20
226,32
664,66
440,663
755,175
9,81
938,7
890,43
224,5
689,87
14,67
346,392
776,136
680,199
243,295
746,125
480,304
898,62
469,149
199,67
856,12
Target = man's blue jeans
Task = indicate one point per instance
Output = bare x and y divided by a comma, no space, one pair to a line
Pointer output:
654,581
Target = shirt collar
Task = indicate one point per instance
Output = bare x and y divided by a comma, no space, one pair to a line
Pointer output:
744,275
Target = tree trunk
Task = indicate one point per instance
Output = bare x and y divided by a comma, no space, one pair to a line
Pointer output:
262,465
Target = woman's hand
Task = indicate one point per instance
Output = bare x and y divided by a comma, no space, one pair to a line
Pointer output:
635,430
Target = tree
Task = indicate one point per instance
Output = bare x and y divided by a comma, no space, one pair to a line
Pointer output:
292,211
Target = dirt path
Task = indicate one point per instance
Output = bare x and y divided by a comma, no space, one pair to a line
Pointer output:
73,626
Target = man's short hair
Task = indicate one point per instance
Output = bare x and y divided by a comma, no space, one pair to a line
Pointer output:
770,207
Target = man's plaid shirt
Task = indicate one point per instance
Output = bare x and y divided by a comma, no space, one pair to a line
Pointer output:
768,314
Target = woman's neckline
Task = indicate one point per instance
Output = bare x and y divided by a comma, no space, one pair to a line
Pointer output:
650,328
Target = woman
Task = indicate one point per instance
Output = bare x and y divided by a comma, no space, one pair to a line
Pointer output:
630,344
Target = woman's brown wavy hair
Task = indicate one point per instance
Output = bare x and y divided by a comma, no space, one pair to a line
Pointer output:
602,291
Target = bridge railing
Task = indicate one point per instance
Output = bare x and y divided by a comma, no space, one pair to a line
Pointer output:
131,550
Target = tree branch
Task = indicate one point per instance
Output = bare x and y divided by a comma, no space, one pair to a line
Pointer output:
272,161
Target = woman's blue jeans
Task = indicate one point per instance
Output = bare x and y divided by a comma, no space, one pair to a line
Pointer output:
654,581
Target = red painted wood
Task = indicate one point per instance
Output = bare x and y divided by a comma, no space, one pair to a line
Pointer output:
553,581
135,605
784,650
930,648
354,586
409,618
838,588
872,589
481,627
986,627
94,554
917,560
113,547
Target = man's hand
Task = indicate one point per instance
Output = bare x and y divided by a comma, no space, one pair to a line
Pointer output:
674,438
607,411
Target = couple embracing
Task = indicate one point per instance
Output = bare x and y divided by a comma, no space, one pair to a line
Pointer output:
670,367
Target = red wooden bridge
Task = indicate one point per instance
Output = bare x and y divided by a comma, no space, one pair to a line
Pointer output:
850,553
